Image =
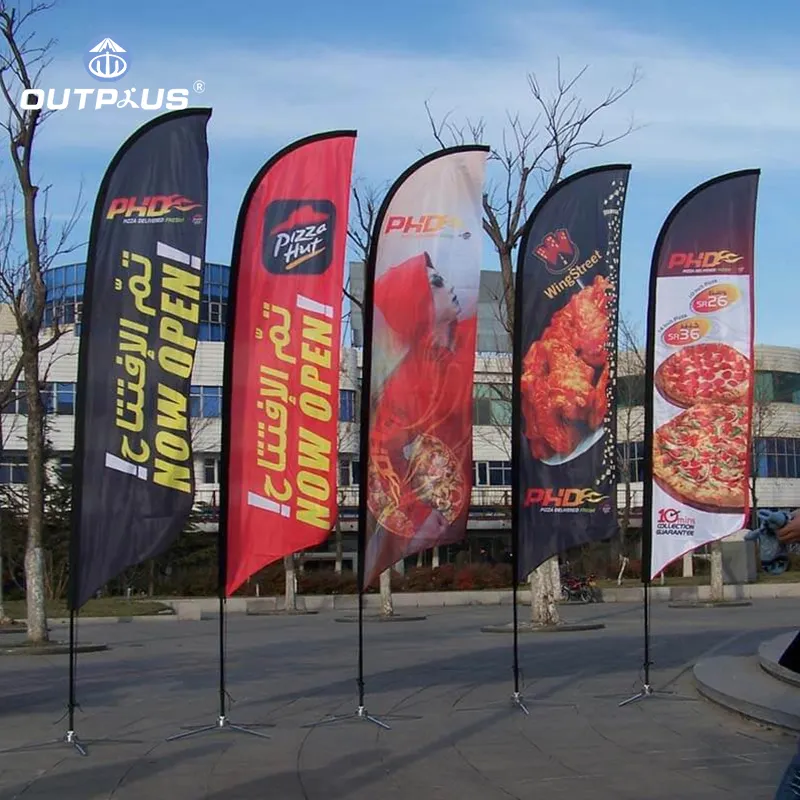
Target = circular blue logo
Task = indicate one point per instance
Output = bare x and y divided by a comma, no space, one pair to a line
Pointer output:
107,61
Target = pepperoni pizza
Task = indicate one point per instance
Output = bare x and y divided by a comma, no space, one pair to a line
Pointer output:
704,373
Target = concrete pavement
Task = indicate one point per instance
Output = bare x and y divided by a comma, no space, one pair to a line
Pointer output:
441,684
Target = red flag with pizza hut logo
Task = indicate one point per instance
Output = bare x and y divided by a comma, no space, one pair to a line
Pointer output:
281,395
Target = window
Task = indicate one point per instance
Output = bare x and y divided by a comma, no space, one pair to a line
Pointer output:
211,469
17,401
63,398
205,401
348,471
492,404
777,387
630,391
13,468
65,467
214,304
347,405
630,462
777,457
492,473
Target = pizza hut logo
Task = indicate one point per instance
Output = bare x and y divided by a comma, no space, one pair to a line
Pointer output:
558,251
298,237
701,262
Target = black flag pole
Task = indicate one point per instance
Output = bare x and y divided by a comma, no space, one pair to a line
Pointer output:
516,416
647,496
367,314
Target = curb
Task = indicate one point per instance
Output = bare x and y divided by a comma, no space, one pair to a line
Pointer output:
530,627
710,603
381,618
51,650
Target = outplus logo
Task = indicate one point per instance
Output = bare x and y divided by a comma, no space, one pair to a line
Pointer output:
154,209
427,225
108,62
298,236
671,522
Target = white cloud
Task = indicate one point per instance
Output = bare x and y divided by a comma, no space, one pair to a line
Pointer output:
693,105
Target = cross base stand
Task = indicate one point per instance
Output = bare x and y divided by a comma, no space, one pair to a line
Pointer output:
223,723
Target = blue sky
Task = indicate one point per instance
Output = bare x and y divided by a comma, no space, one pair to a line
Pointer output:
718,92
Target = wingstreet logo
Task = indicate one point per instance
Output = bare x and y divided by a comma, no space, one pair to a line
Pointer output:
108,62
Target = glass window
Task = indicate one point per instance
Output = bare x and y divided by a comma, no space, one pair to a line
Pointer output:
211,469
13,468
347,405
65,398
776,457
348,471
205,401
65,467
492,473
630,462
64,304
491,404
630,391
500,473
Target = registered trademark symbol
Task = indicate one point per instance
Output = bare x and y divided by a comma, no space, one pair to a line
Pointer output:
199,87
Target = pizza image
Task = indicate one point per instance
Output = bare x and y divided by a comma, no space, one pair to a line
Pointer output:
434,479
565,374
700,457
437,478
704,373
384,497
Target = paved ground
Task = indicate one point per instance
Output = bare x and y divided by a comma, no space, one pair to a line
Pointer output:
442,685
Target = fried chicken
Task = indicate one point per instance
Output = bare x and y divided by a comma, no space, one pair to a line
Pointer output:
562,393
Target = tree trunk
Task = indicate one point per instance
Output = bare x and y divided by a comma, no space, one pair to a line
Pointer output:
555,580
151,579
34,557
3,617
717,590
387,608
337,564
543,601
290,603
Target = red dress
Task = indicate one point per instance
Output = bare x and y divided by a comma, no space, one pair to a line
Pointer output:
421,431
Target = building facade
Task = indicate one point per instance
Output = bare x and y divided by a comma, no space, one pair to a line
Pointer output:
776,415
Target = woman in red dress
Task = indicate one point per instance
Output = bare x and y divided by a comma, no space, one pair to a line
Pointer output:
421,430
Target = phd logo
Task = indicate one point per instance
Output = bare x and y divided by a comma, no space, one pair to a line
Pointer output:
108,62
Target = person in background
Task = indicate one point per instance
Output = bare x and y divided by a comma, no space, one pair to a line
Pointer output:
789,788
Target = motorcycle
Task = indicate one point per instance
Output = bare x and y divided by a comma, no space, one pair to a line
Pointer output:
580,589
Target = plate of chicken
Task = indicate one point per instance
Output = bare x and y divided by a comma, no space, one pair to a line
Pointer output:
565,378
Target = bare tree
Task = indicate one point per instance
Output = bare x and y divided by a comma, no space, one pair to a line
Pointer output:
26,255
531,158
